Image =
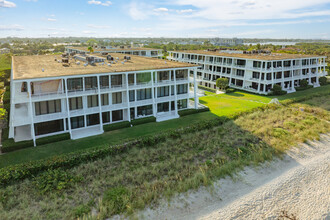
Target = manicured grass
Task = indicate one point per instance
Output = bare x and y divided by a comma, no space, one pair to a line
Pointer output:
141,176
108,138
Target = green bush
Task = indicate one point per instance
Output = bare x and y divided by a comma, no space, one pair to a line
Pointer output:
277,90
323,81
116,199
116,126
54,180
207,89
52,139
230,90
303,88
143,120
10,145
6,96
192,111
303,83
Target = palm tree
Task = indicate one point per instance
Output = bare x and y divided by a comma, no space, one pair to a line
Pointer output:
91,49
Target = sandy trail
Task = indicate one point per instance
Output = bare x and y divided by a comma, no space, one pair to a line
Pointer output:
299,184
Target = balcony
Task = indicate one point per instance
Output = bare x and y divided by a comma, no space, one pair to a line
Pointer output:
50,117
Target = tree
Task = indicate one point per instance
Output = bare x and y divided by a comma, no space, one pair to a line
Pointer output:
222,83
277,90
91,49
323,80
91,42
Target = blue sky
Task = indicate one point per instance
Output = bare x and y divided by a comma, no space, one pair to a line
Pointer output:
166,18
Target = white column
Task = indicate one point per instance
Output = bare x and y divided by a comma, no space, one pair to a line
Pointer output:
156,80
31,113
195,89
127,98
175,94
100,103
67,106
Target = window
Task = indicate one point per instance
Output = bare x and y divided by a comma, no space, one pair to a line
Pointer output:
182,103
116,80
143,94
255,75
104,81
181,74
75,84
48,107
106,117
77,122
256,64
48,127
24,87
105,99
117,115
131,79
131,95
269,76
144,110
92,101
163,75
143,77
181,89
163,107
240,73
90,83
116,98
93,119
75,103
163,91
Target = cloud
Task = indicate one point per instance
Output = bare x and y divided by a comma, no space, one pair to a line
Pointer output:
88,32
160,10
184,11
7,4
30,0
98,26
51,19
138,11
14,27
94,2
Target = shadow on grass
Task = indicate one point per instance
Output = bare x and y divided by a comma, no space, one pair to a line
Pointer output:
235,94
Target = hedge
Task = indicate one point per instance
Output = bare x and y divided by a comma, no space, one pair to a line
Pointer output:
230,90
192,111
18,172
10,145
6,96
303,88
115,126
143,120
53,138
207,89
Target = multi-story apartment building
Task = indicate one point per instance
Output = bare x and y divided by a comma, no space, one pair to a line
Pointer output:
145,52
52,95
254,72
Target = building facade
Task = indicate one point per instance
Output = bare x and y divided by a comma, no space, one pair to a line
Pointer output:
145,52
256,73
48,98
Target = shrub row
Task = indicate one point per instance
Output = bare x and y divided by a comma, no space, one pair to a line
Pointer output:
10,145
6,95
118,125
143,120
18,172
207,89
300,88
192,111
230,90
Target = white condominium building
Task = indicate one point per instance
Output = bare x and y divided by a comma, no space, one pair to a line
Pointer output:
78,95
145,52
254,72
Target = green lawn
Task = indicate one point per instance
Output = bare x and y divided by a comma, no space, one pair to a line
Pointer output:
5,62
220,105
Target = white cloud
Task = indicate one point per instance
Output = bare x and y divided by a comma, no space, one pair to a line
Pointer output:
51,19
254,9
138,11
160,10
98,26
184,11
14,27
94,2
7,4
88,32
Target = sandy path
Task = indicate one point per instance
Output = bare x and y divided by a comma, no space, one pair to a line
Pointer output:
298,184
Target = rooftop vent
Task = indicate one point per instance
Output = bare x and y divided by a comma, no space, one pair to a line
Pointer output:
43,70
109,64
78,63
86,64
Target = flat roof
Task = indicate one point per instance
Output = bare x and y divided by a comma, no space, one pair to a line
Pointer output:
272,56
112,49
29,67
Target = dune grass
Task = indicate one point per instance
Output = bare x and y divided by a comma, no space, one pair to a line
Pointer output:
139,177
